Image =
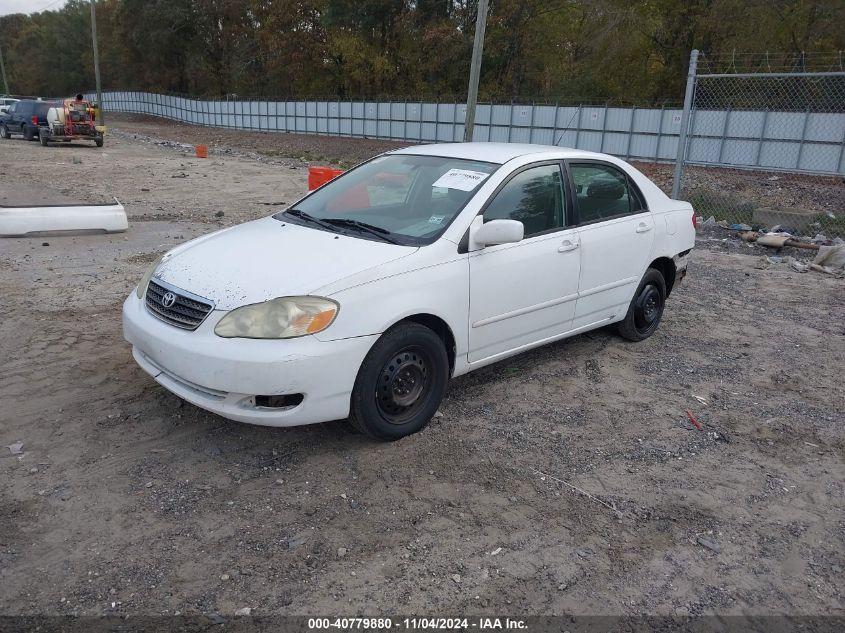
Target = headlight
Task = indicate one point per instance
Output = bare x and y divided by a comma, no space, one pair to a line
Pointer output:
284,317
145,280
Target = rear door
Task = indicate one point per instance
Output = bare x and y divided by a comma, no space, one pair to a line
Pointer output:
524,293
616,232
22,114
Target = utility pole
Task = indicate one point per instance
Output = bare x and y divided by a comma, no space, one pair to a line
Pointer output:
475,69
3,69
96,60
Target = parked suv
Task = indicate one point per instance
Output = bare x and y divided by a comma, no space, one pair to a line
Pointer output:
24,117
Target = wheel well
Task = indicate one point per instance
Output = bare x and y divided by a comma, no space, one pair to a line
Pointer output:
442,329
665,267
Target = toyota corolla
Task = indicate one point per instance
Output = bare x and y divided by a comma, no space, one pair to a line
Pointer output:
362,299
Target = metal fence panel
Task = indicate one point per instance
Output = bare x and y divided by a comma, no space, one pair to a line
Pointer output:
746,132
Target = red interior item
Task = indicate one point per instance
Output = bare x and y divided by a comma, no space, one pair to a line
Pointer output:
356,198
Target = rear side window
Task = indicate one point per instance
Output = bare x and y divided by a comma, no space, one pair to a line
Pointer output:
603,192
533,197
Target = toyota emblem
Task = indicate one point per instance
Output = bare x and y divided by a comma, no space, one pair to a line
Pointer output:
168,299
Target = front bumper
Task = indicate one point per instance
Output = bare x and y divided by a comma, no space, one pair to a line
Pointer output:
224,375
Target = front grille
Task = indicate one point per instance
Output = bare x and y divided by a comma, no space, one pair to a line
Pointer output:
185,312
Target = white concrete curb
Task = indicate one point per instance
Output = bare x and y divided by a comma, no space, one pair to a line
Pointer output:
22,221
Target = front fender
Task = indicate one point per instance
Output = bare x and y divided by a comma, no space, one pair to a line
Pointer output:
440,290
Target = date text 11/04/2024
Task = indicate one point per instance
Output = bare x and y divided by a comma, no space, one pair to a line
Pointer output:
418,623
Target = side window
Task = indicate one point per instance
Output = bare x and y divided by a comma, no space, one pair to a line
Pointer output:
637,202
603,192
534,197
13,107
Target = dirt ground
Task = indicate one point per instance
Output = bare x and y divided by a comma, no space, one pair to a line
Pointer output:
566,480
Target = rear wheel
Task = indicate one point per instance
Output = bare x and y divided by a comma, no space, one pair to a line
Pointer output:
400,383
27,133
42,137
99,141
4,131
646,308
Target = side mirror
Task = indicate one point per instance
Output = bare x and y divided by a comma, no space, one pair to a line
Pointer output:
499,232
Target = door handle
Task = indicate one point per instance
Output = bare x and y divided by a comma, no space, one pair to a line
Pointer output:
643,228
567,246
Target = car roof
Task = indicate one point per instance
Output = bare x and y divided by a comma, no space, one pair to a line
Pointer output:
492,152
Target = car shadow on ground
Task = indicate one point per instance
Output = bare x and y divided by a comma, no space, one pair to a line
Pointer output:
311,440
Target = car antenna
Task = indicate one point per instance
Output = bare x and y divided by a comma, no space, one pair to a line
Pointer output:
566,128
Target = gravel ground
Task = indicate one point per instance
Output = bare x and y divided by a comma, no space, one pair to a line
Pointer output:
565,480
306,148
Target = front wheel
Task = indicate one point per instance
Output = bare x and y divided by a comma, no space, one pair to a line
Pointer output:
646,308
4,131
400,383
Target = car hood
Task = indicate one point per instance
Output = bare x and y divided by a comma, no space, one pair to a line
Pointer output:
264,259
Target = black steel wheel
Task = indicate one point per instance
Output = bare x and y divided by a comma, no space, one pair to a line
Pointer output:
646,308
400,383
403,381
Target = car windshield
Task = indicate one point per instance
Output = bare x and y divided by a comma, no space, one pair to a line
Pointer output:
399,198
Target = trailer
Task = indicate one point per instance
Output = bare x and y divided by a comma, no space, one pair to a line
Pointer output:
70,121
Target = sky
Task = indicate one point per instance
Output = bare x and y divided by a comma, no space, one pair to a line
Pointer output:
28,6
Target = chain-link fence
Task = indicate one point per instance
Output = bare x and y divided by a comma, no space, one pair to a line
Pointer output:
765,149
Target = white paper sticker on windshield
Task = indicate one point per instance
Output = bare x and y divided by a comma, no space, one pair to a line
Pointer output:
436,219
462,179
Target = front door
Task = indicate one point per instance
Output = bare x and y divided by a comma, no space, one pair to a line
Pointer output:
523,294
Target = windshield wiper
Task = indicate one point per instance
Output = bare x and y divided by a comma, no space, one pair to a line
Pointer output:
379,232
310,218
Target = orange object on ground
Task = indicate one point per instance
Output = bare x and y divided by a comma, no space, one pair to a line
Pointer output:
318,176
202,151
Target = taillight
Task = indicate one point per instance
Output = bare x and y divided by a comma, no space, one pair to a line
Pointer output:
694,221
35,120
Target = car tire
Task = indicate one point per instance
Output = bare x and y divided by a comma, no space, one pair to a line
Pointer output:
27,133
400,383
646,308
42,137
4,131
99,141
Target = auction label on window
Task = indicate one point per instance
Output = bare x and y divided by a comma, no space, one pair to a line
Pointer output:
462,179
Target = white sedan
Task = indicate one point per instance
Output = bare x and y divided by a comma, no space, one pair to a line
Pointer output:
361,300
